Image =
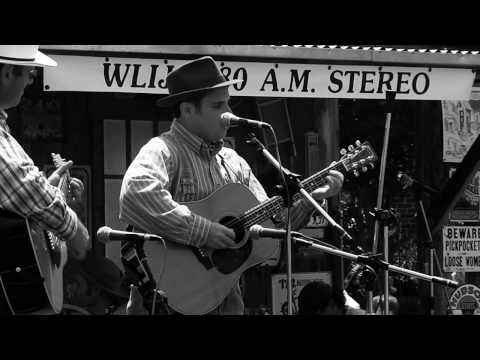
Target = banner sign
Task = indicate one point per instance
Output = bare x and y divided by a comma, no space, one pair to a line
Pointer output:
269,79
461,248
299,280
461,126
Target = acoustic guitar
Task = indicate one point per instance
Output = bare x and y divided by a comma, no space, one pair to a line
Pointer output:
31,262
197,280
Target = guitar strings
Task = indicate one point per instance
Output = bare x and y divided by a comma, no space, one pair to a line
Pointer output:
275,203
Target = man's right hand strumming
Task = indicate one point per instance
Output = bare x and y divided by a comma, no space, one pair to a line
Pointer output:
220,237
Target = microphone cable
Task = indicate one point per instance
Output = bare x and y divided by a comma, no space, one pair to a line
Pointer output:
155,291
285,184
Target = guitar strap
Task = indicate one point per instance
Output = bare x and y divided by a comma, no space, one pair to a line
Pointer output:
276,219
228,169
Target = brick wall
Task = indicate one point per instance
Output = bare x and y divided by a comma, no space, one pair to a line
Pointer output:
404,249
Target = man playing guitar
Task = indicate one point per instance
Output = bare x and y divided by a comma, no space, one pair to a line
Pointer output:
189,163
24,190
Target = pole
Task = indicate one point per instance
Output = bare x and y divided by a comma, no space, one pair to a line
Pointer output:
430,253
390,97
386,287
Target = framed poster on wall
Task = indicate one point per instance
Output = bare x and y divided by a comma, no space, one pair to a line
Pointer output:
461,127
467,208
299,280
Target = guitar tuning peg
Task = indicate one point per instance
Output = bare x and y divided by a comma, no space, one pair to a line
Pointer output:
356,173
350,148
358,143
364,168
343,151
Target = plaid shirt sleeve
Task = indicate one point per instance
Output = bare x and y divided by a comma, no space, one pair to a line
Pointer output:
24,190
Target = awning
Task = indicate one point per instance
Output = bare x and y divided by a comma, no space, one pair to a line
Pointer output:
268,70
409,56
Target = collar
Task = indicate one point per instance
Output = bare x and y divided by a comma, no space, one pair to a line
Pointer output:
194,142
3,121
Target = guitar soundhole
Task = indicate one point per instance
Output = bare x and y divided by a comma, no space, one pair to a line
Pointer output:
236,227
228,260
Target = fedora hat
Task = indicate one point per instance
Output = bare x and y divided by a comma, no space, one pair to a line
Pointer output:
193,77
24,55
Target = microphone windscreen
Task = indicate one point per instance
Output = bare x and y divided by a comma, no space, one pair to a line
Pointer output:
227,116
103,234
255,231
403,179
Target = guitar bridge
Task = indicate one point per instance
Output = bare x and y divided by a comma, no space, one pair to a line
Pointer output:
53,248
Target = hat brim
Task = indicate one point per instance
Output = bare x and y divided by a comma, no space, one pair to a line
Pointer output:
40,60
175,98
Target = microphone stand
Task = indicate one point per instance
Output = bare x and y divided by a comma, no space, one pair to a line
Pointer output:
377,264
420,188
431,252
294,185
291,180
390,97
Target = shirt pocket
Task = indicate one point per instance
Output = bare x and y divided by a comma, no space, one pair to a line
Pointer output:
187,188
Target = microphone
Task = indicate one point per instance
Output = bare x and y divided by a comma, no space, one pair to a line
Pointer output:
258,231
106,235
408,181
231,120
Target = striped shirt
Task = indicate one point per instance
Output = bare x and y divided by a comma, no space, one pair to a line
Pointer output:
25,191
178,166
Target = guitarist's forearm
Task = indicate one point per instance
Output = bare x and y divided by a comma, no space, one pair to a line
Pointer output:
154,212
58,218
30,195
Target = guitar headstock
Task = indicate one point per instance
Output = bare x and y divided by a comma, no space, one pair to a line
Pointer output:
57,160
63,183
358,157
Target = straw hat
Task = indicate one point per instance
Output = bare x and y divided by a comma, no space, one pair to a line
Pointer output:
24,55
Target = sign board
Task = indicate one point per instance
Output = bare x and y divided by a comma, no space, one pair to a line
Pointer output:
461,127
465,300
269,79
467,207
461,248
299,280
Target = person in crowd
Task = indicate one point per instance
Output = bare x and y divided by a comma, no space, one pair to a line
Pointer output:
319,298
24,190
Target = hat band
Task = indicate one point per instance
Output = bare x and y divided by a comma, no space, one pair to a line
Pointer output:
16,59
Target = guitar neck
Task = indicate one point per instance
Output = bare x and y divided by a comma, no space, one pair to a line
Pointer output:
274,205
63,183
318,179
